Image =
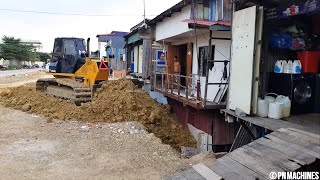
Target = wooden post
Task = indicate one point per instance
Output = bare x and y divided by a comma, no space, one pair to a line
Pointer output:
198,90
178,85
162,82
189,59
207,69
155,81
167,82
187,88
171,83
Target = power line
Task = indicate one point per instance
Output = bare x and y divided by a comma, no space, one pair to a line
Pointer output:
68,14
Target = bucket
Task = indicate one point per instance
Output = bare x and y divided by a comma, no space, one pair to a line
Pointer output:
309,61
269,98
263,108
275,110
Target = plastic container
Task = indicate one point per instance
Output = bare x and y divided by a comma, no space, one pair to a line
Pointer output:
287,66
278,67
270,99
275,110
286,105
296,67
263,108
309,61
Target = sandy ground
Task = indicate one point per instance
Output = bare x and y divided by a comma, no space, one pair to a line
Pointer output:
21,78
33,147
19,71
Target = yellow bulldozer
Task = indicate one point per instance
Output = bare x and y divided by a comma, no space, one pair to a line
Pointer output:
76,74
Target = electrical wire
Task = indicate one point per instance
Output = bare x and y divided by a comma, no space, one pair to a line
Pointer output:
68,14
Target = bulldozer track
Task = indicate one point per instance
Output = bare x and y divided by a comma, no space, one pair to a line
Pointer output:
65,88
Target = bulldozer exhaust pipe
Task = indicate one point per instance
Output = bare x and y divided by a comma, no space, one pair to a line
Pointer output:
88,47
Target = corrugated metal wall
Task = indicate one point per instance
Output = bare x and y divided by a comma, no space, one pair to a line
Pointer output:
140,58
147,59
135,57
209,121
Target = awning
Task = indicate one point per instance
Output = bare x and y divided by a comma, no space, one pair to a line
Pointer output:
217,27
206,23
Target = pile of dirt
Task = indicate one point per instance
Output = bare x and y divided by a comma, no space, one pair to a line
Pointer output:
116,101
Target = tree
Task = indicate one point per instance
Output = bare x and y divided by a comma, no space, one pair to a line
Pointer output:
42,56
12,49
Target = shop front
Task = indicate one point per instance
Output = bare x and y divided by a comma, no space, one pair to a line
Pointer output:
274,79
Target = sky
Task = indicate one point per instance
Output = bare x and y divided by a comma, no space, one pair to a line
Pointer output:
124,14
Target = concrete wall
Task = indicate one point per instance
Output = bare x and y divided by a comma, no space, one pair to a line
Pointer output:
18,63
101,48
203,40
222,52
203,139
172,26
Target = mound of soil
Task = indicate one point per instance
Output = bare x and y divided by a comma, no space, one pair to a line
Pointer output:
116,101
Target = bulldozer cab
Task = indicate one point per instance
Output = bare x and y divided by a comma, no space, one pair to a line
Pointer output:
68,55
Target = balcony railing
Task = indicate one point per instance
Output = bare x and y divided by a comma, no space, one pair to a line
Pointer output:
188,92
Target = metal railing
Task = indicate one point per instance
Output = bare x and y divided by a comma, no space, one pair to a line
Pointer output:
171,83
188,92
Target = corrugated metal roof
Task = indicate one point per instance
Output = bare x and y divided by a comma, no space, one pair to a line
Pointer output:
139,24
114,33
116,37
116,41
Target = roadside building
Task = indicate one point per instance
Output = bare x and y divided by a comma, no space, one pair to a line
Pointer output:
139,54
37,45
197,94
112,46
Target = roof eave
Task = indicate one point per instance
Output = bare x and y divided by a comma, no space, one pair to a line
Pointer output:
167,13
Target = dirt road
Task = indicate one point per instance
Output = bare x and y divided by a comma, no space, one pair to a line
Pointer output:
17,72
17,78
32,148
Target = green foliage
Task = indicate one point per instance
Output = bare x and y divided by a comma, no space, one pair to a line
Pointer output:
43,56
12,49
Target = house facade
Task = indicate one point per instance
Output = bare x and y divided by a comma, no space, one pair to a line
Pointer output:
138,46
112,46
198,33
37,45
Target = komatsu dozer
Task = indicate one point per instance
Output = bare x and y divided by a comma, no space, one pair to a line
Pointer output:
76,74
